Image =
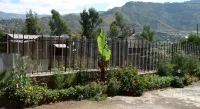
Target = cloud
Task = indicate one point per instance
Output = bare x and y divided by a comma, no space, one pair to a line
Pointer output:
63,6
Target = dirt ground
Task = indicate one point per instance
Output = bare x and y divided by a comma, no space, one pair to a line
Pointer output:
186,98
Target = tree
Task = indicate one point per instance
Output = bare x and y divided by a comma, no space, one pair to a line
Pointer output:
1,32
192,39
114,30
148,34
32,25
118,28
90,21
57,25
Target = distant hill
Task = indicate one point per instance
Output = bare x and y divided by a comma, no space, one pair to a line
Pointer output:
163,17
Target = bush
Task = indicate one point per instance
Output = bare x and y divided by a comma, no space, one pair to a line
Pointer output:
184,64
58,80
187,80
165,68
157,82
113,86
197,72
177,82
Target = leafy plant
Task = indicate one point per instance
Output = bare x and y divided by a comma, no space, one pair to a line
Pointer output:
184,64
58,80
177,82
104,54
113,86
165,68
187,80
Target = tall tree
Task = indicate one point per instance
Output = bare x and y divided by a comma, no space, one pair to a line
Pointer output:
114,30
90,21
148,34
1,32
192,39
57,25
118,28
32,25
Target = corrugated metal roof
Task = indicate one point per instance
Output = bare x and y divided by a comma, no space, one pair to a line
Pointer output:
20,36
60,45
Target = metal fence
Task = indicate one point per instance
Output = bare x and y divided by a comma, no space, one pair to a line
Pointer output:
70,55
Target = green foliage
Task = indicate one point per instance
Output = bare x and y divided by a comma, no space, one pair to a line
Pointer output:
165,68
103,48
32,24
197,72
114,30
177,82
148,34
113,86
192,39
90,21
184,64
187,80
1,32
57,25
157,82
118,28
58,80
104,53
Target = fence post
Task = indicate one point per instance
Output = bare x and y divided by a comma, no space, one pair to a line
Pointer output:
50,54
66,55
13,42
23,44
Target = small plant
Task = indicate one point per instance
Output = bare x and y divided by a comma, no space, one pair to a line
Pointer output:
113,86
187,80
177,82
104,54
165,68
58,80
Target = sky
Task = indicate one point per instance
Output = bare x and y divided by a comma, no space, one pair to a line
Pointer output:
64,6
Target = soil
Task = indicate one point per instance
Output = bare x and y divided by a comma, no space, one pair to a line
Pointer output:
180,98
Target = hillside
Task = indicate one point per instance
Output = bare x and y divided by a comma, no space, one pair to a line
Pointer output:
165,17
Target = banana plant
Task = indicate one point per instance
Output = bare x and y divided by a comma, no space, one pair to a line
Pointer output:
104,54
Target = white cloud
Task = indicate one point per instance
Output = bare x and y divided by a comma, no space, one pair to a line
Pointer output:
63,6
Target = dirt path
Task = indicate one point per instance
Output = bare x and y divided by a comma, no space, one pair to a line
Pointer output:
186,98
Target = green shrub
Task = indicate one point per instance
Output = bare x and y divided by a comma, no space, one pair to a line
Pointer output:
137,86
187,80
70,80
177,82
113,86
184,64
197,72
157,82
82,77
165,68
58,80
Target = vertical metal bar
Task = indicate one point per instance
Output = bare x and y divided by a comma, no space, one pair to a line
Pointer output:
136,52
127,53
62,52
33,47
119,57
66,55
13,42
88,53
42,47
18,45
28,47
46,48
95,54
81,54
139,45
50,54
23,44
115,63
58,57
7,43
73,54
